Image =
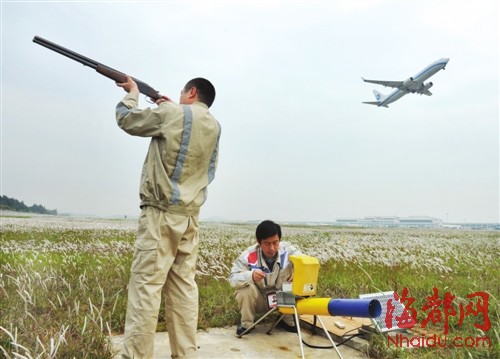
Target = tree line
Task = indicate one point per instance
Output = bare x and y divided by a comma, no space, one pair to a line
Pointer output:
13,204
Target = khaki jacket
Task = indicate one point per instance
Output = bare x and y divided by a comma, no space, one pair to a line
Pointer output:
182,156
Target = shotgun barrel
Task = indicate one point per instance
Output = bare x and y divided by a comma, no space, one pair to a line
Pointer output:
104,70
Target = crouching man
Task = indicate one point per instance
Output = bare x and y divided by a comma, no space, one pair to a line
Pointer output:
259,272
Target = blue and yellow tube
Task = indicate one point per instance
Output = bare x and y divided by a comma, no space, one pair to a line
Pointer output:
364,308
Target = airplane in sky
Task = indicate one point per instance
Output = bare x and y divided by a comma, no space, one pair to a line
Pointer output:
413,84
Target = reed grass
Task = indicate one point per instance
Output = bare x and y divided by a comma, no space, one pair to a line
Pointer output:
63,281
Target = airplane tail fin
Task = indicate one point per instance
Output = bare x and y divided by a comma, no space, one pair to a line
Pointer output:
379,97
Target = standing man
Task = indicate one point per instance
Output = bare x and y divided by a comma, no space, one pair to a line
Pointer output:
260,271
179,165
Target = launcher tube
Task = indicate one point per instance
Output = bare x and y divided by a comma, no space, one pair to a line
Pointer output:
364,308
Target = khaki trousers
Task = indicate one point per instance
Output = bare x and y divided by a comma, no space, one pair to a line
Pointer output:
250,302
166,250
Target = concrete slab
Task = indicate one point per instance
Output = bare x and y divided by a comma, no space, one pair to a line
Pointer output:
223,343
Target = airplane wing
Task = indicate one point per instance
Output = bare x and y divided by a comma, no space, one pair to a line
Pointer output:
395,84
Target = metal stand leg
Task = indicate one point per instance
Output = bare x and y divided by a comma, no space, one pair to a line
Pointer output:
257,322
297,322
329,337
299,333
275,324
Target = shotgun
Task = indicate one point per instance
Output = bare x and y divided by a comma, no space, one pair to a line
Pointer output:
104,70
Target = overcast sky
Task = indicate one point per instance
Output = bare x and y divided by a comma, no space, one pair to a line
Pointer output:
297,143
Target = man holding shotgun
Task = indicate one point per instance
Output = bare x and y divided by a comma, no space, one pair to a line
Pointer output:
179,165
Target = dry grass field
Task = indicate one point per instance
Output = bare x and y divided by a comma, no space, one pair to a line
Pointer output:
63,281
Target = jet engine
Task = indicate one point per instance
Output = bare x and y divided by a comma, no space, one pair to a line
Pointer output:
428,85
411,85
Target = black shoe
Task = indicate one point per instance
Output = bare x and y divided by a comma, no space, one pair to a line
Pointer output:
289,328
240,330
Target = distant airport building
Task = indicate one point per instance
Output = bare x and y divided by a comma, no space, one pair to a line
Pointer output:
391,222
480,226
412,222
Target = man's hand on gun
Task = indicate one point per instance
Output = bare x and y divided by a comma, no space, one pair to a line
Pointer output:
131,86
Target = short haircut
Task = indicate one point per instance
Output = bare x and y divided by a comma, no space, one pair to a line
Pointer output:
206,91
267,229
